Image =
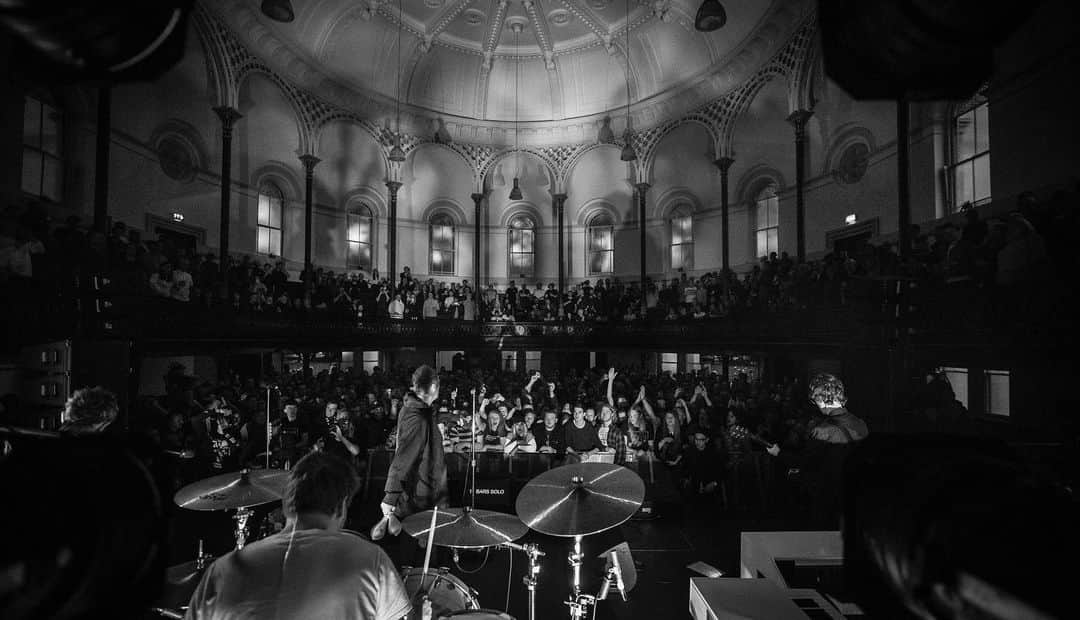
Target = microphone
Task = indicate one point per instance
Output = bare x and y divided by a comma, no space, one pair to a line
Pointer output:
606,587
528,549
618,575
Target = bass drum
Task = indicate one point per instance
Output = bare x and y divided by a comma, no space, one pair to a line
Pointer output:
447,593
481,614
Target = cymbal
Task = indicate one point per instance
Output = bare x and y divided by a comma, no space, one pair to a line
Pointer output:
238,489
186,572
466,528
580,499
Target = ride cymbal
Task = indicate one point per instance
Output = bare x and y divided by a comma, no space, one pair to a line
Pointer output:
466,528
580,499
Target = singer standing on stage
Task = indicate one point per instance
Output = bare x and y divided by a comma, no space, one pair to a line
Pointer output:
416,480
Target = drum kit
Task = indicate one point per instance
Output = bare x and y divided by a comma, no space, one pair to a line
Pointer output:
572,501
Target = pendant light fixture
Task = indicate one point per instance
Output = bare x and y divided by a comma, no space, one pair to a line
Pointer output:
710,16
628,153
515,192
278,10
396,153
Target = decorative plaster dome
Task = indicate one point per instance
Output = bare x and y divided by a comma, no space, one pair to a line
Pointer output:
459,59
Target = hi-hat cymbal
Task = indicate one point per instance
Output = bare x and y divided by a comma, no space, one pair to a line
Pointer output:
466,528
186,572
238,489
580,499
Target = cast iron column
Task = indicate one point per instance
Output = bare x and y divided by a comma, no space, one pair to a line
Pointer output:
478,200
724,164
798,119
101,160
391,227
641,189
560,204
903,168
309,162
228,117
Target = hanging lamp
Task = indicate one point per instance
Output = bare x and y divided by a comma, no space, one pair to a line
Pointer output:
710,16
396,153
628,153
515,192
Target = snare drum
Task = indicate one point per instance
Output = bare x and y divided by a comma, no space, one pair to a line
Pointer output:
447,593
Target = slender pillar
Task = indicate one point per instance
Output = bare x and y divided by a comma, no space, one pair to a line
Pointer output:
228,117
724,164
478,201
309,162
391,227
798,119
641,189
560,204
101,160
903,170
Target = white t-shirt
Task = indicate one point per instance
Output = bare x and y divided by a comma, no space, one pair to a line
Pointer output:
181,287
326,575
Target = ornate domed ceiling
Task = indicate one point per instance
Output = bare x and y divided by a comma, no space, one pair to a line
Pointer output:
460,58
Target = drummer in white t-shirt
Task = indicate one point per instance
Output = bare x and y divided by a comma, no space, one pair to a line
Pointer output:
312,569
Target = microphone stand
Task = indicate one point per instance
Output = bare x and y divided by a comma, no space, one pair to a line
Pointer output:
268,388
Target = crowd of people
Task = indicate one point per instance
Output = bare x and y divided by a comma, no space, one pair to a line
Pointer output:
714,438
999,268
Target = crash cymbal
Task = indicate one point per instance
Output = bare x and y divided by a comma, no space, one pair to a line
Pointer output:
580,499
238,489
466,528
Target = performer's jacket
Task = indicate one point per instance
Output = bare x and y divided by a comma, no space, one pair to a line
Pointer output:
416,480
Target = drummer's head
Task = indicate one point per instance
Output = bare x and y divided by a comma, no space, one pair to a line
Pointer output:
319,490
425,383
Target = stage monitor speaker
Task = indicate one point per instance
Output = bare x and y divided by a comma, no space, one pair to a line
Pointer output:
52,371
921,49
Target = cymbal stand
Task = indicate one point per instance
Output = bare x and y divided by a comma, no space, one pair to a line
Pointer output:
579,604
533,552
241,517
268,388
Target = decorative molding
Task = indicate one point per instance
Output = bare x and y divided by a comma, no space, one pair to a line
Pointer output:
753,180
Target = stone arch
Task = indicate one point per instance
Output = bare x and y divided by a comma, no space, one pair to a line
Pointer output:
448,207
369,196
754,180
741,101
550,166
673,198
280,175
303,137
571,164
521,207
594,208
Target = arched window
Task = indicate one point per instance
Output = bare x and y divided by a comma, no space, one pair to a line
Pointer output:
522,244
601,244
42,159
442,245
359,225
971,153
682,238
767,212
271,204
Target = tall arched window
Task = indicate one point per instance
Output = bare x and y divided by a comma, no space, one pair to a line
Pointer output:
971,153
601,244
271,204
359,225
42,159
767,212
441,240
682,238
522,244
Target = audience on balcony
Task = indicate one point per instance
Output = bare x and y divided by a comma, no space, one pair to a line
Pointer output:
1001,266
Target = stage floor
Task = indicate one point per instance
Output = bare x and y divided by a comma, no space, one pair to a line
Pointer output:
662,548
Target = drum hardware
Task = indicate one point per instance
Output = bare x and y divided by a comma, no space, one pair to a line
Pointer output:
168,613
576,501
533,552
234,491
241,517
447,593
